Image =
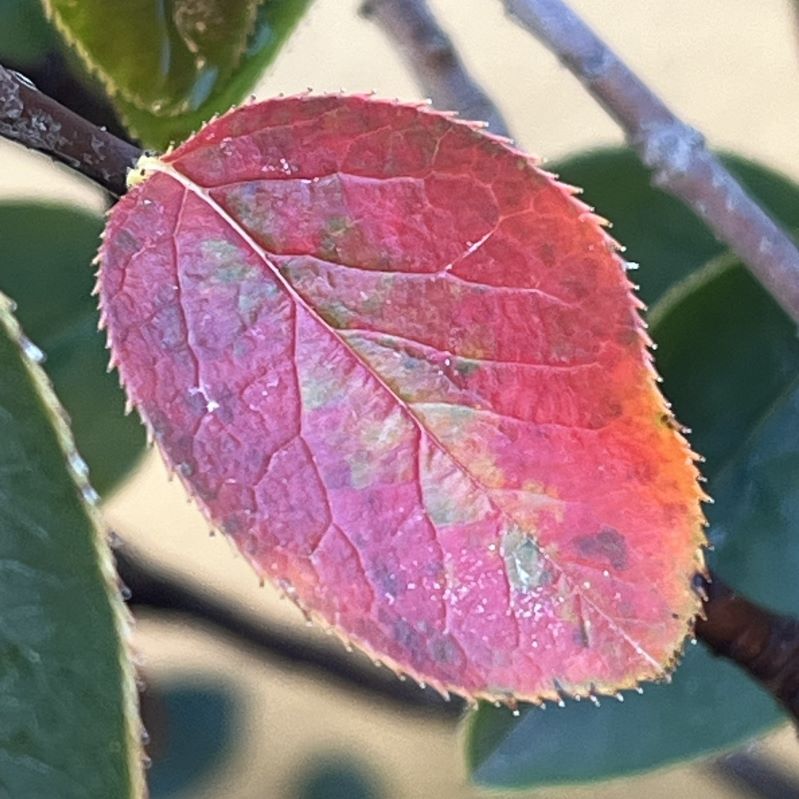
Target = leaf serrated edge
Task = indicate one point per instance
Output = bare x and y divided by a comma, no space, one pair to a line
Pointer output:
89,499
680,432
149,164
601,226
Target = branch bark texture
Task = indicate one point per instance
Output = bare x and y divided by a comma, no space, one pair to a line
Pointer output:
40,123
675,152
431,56
762,643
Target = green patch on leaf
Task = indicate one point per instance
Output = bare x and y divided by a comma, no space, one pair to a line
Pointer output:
523,560
68,722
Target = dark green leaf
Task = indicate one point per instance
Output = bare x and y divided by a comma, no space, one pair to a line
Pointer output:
730,359
171,66
68,725
329,777
191,730
25,36
45,266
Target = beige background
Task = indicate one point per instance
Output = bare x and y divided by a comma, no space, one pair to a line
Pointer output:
730,67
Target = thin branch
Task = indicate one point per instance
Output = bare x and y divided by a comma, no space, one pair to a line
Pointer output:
675,152
54,75
795,5
762,643
756,776
430,54
40,123
153,590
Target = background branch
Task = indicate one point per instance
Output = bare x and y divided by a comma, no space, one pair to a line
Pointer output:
762,643
432,58
754,775
55,76
675,152
40,123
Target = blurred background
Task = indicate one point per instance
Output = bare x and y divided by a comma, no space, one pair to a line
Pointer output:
230,721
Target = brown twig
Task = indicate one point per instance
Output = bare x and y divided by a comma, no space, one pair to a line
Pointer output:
55,75
429,52
675,152
762,643
40,123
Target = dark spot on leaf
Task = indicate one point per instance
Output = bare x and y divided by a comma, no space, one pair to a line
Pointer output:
608,545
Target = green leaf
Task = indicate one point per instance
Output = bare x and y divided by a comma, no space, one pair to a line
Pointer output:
171,66
68,722
45,266
25,36
329,776
192,733
729,357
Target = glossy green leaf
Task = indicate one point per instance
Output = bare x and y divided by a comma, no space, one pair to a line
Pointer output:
171,66
45,266
68,723
730,358
740,390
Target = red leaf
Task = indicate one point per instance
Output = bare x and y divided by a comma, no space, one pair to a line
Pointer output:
403,368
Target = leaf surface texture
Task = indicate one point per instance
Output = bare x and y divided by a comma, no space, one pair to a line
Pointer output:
403,368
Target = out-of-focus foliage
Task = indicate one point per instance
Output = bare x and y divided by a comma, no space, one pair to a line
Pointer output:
170,66
45,267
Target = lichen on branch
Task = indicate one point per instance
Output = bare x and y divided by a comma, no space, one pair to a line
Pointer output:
40,123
